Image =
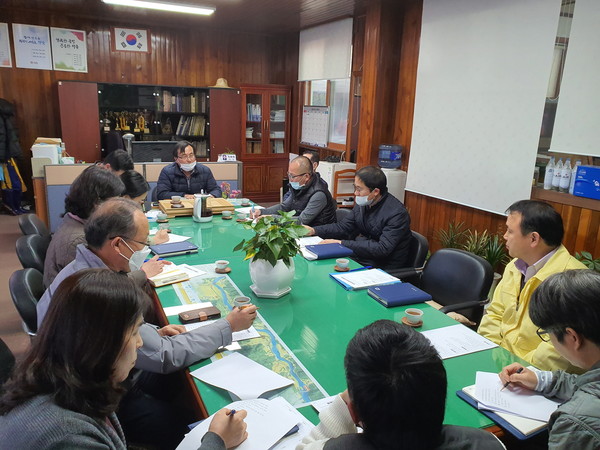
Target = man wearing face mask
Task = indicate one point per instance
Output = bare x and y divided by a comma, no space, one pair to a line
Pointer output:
185,177
116,234
378,230
310,197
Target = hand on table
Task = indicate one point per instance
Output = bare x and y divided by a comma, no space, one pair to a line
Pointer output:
171,330
527,378
241,319
311,230
255,214
161,237
330,241
153,266
231,428
189,196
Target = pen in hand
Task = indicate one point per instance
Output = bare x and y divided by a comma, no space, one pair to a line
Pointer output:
231,413
519,370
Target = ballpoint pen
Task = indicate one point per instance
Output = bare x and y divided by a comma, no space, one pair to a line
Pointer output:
508,382
361,268
231,413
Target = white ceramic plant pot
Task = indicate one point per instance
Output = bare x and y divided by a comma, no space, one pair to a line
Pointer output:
269,279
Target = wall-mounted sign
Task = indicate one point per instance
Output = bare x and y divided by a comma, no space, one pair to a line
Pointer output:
32,46
69,50
5,58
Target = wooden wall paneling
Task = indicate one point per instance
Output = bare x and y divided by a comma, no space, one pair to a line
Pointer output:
379,82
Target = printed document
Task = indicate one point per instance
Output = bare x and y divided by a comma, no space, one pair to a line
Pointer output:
241,376
457,340
513,399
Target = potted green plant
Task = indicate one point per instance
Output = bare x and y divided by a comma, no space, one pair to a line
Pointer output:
271,251
589,261
453,237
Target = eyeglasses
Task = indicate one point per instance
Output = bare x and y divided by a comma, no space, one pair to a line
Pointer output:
187,157
543,334
291,177
360,189
133,240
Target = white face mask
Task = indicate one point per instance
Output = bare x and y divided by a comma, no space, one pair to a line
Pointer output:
188,167
137,258
363,200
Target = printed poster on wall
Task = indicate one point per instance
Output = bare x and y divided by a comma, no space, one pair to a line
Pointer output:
131,40
5,58
69,50
32,46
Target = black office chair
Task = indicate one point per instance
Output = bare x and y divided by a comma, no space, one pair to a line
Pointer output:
26,287
342,213
459,281
31,251
417,253
7,362
32,224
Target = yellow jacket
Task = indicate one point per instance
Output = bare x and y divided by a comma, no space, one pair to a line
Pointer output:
508,324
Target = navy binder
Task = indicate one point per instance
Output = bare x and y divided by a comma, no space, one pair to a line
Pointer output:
398,294
327,251
174,248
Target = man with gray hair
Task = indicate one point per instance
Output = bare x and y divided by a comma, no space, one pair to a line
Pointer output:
310,196
117,235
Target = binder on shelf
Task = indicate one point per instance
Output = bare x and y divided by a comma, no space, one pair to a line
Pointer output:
398,294
327,251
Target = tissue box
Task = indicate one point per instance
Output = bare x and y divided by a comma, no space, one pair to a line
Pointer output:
587,182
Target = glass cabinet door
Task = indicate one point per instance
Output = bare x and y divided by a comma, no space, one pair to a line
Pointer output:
277,121
254,121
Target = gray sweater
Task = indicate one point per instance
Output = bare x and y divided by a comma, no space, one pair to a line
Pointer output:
63,245
40,423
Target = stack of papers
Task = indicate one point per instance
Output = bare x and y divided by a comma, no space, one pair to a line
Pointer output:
267,420
457,340
362,279
242,377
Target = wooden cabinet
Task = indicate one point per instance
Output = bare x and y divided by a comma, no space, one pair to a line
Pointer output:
207,117
265,139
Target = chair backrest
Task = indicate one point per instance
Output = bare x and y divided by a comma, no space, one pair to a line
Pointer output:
32,224
454,276
417,251
26,287
31,251
342,213
342,180
7,362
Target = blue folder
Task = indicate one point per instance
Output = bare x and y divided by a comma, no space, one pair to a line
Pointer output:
327,251
398,294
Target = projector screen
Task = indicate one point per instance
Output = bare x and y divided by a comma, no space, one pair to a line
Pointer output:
576,121
482,78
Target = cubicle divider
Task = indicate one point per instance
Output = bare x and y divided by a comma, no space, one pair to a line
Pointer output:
59,177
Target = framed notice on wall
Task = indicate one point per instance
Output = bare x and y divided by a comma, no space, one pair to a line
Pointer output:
5,59
32,46
315,125
69,50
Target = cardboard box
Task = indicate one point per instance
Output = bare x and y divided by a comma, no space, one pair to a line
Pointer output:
587,182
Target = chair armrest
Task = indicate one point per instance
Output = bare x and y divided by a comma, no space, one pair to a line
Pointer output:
405,272
463,305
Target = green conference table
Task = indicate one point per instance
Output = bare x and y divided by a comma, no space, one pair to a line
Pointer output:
317,319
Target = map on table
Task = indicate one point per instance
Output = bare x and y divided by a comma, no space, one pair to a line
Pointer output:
268,350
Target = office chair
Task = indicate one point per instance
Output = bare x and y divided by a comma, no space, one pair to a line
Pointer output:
343,179
26,287
459,281
417,253
32,224
31,251
7,362
342,213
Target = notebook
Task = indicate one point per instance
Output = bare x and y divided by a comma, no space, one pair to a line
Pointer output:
326,251
520,427
173,249
398,294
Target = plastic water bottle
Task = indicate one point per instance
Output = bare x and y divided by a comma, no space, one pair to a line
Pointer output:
549,176
574,176
565,177
557,175
390,156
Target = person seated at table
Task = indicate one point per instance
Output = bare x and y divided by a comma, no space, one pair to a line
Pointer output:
65,392
534,232
90,188
310,196
314,158
566,309
186,177
378,230
116,235
118,161
396,394
136,189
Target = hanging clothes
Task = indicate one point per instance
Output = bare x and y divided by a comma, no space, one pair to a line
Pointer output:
11,181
